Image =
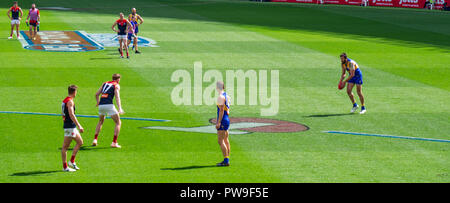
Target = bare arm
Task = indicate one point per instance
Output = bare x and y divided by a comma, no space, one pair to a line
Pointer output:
28,16
7,13
343,72
117,93
221,104
99,91
72,115
352,73
21,13
114,27
140,19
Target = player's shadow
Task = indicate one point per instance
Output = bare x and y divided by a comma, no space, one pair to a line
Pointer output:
328,115
34,173
85,148
105,58
188,167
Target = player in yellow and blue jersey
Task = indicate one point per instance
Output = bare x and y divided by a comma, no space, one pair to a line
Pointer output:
223,122
355,78
134,18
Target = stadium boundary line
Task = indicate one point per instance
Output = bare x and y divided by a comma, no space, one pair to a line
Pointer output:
82,116
388,136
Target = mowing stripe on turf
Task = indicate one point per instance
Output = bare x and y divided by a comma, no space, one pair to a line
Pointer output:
388,136
84,116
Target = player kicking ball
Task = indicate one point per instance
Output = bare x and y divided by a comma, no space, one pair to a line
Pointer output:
70,130
223,123
123,26
354,78
105,105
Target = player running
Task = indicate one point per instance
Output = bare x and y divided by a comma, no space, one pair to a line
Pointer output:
355,78
34,17
123,25
16,16
223,122
70,130
106,107
134,18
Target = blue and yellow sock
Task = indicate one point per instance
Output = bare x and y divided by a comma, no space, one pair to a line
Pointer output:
226,159
355,104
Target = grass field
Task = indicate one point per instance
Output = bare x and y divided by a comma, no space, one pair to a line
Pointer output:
404,55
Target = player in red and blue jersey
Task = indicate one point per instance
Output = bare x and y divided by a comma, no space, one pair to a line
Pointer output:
70,130
354,78
16,16
134,18
105,104
223,122
123,26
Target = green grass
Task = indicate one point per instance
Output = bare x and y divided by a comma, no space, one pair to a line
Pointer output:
403,54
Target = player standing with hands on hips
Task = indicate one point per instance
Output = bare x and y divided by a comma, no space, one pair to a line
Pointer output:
70,130
123,25
223,122
16,15
107,92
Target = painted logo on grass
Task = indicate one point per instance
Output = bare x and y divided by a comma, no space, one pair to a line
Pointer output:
60,41
241,126
110,40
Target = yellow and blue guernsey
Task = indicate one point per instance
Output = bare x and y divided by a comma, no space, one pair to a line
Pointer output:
225,123
357,78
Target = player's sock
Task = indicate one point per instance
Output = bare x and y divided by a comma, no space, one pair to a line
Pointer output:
115,139
65,165
355,104
226,159
363,108
72,159
96,136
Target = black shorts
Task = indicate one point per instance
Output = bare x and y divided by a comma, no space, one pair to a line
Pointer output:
33,23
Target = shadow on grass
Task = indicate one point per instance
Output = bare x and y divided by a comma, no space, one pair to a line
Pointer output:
34,173
188,167
83,148
328,115
106,58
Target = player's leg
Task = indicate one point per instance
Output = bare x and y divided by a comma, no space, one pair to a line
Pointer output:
351,96
227,143
31,31
126,48
101,120
135,45
35,32
116,119
221,140
12,31
79,143
120,46
361,98
17,30
65,146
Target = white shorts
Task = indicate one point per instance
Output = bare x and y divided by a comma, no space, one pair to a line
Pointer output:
107,109
71,132
15,22
124,37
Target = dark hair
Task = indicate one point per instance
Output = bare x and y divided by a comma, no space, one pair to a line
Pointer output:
15,2
72,89
115,76
343,55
